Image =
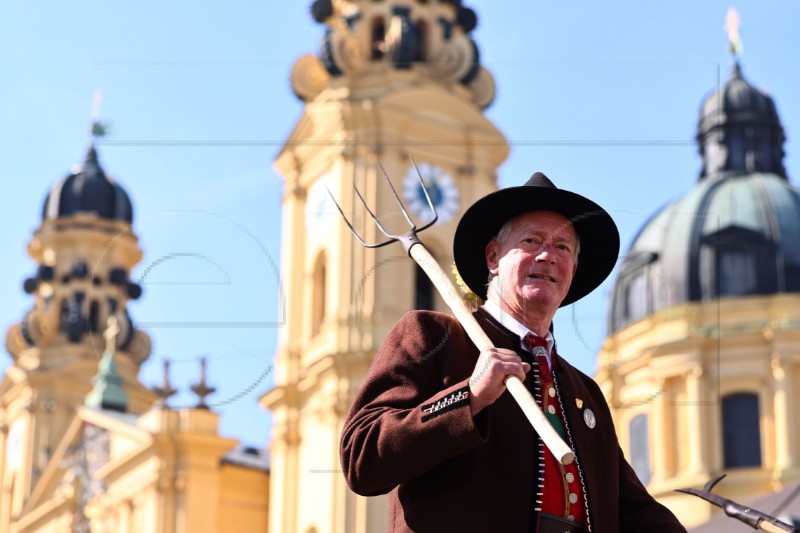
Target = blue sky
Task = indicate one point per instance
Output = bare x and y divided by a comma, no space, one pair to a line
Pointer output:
601,96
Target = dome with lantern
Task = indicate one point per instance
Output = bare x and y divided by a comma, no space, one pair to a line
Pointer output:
87,189
736,234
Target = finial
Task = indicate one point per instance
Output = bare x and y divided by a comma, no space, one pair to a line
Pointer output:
97,129
202,389
111,333
732,24
165,390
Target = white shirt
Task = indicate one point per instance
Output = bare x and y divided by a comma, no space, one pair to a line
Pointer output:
515,327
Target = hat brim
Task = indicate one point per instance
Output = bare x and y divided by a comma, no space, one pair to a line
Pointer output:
598,234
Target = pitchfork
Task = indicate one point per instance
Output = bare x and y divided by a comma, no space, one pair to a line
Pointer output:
751,517
425,260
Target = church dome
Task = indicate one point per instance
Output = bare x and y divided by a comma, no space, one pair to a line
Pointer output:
88,190
736,234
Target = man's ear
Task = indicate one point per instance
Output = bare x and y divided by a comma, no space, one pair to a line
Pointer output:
492,259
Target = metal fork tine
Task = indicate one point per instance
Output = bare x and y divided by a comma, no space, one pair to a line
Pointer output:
408,238
399,201
427,195
710,485
374,217
347,221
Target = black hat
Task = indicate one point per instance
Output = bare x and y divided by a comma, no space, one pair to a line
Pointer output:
596,230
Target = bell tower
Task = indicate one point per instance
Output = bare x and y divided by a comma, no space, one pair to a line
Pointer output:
392,79
84,250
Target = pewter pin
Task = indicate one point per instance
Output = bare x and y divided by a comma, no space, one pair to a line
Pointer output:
588,417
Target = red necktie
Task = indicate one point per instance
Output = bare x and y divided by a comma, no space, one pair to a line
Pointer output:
538,347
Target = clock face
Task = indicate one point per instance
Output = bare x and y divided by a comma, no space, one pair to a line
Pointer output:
441,188
320,210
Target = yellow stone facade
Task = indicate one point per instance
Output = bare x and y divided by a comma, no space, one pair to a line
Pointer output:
677,364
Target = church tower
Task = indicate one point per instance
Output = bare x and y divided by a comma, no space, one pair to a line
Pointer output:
393,79
702,363
85,250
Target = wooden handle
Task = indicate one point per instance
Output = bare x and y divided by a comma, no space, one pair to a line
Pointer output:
452,298
764,525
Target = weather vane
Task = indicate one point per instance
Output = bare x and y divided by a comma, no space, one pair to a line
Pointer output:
97,128
732,24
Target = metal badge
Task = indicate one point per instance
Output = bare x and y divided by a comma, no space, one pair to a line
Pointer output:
588,417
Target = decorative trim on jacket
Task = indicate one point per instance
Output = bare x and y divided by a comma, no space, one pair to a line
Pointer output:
454,400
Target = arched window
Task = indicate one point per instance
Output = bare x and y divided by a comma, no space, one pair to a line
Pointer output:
741,434
94,316
632,301
318,288
423,290
640,447
737,149
737,271
635,298
378,37
743,263
63,321
422,41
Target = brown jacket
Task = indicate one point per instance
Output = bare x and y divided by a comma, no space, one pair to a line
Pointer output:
410,433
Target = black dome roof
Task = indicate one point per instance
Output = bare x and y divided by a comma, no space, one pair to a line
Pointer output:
88,190
739,130
737,233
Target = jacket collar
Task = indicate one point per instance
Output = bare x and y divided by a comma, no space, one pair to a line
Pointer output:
502,337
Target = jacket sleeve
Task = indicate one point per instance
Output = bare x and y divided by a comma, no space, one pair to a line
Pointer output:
410,415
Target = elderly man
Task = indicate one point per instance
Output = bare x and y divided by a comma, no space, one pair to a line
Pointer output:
433,424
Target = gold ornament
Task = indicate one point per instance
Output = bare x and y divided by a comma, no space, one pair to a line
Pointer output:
472,300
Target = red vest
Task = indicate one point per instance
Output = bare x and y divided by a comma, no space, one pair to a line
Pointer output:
560,490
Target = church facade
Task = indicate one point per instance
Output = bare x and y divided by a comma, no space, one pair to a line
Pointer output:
702,362
85,445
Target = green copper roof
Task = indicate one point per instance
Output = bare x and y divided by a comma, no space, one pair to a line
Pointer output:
107,390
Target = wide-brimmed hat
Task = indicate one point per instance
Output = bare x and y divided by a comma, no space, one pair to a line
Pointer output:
599,237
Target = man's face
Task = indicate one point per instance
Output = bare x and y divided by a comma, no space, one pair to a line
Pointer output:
534,264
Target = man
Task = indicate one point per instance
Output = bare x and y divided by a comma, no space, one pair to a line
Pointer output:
433,424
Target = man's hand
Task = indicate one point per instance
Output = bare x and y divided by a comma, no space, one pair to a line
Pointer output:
488,380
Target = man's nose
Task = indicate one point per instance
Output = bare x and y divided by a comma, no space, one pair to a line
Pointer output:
546,252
